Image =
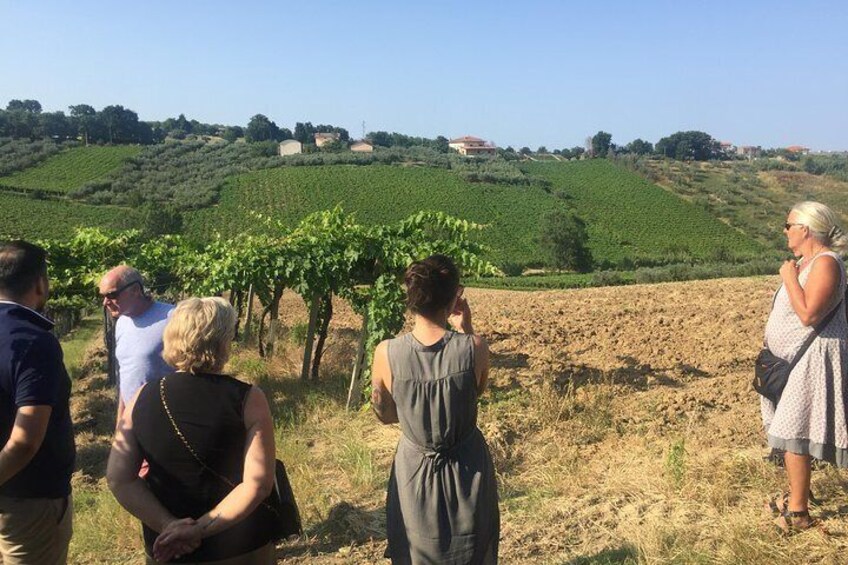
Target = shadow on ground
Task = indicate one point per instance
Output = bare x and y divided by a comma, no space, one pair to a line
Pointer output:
346,525
620,556
632,373
509,360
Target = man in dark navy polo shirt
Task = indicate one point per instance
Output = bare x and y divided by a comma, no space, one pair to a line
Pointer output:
37,457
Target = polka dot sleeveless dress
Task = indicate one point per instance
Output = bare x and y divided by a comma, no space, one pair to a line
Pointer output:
811,415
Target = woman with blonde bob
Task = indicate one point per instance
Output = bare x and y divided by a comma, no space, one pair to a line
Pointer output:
209,441
810,418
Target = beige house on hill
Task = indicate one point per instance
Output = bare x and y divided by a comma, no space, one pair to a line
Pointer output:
290,147
470,145
362,147
749,151
322,139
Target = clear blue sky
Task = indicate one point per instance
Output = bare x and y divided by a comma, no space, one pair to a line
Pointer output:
518,73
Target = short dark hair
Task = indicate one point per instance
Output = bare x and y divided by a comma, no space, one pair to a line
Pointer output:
431,284
22,264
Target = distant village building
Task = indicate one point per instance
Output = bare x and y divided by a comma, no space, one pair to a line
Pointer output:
470,145
362,147
727,147
798,149
749,151
290,147
322,139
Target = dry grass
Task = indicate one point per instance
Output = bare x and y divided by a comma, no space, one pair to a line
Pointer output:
625,464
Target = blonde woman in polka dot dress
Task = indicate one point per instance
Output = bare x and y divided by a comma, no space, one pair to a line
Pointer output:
810,418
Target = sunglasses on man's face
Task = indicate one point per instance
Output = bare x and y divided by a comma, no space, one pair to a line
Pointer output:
113,295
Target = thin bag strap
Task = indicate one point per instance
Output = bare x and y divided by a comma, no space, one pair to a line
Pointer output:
814,334
191,450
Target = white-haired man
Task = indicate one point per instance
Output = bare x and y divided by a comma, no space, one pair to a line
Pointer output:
140,322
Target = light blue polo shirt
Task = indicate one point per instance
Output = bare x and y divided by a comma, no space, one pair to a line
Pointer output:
138,348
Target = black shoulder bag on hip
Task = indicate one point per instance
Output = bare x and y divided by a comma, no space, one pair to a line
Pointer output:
280,504
771,373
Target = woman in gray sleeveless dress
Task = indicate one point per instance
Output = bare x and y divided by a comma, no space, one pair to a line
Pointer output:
442,501
810,420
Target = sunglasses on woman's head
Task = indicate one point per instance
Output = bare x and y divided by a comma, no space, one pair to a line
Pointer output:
787,225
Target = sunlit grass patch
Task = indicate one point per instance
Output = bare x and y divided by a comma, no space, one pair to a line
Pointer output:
77,343
103,531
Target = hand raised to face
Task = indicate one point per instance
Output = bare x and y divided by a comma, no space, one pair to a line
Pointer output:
788,270
460,317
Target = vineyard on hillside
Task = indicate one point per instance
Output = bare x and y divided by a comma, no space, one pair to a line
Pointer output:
19,154
71,169
29,218
753,197
631,221
222,187
377,194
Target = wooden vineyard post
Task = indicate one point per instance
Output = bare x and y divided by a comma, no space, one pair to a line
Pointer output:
310,336
239,303
248,317
358,361
274,322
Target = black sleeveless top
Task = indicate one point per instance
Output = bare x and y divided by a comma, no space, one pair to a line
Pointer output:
209,410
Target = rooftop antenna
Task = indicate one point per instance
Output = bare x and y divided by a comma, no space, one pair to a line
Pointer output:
363,129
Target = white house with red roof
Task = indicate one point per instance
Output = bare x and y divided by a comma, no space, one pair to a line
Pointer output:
470,145
798,149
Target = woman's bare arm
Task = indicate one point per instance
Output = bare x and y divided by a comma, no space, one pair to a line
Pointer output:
382,401
129,489
812,303
481,363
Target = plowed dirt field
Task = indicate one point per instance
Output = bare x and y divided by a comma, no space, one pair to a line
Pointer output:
622,423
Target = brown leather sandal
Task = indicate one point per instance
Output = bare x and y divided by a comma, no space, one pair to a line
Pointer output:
776,505
791,522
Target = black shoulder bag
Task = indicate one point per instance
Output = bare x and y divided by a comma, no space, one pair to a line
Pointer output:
280,504
771,373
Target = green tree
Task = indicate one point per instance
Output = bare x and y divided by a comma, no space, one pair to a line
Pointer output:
30,106
564,238
379,138
689,146
156,219
85,117
304,132
639,147
334,146
232,133
56,125
121,124
601,144
260,128
23,124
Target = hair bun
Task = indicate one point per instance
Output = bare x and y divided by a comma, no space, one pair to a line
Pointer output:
431,284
